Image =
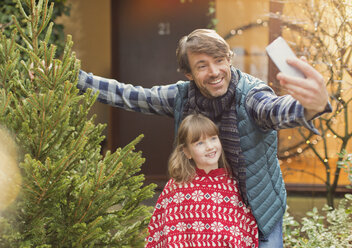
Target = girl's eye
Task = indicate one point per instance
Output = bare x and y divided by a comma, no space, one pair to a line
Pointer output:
199,143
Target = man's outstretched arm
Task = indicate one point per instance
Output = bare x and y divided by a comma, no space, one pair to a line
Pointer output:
156,100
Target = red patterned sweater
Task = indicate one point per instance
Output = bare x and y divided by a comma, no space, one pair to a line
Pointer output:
207,212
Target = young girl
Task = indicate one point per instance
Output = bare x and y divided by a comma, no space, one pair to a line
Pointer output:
200,206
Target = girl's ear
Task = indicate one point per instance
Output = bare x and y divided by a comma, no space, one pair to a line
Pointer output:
186,152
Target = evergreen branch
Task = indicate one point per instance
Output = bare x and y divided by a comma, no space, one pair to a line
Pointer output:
113,173
99,185
64,164
20,110
19,29
40,3
67,49
90,226
22,10
54,74
6,102
99,176
32,191
65,67
5,73
39,6
86,211
43,77
126,150
42,140
24,49
38,184
50,13
79,203
9,50
51,56
48,32
34,22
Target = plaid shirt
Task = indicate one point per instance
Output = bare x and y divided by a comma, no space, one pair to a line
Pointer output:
267,109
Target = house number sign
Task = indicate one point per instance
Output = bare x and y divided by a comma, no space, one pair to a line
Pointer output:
164,28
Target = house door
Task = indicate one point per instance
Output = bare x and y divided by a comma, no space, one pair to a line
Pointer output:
144,39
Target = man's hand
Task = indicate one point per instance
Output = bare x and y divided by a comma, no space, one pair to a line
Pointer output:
311,91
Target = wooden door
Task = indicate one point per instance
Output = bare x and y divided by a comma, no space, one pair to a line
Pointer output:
144,39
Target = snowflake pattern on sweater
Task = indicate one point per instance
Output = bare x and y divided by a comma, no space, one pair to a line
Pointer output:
207,212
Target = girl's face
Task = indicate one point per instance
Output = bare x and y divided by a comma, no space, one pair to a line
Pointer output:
205,152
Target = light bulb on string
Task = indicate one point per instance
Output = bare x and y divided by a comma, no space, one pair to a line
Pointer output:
10,177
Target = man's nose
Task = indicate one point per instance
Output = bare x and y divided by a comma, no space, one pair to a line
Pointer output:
213,70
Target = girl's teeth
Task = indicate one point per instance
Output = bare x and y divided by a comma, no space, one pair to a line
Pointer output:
211,154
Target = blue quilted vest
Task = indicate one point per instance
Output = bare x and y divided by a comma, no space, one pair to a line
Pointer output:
265,186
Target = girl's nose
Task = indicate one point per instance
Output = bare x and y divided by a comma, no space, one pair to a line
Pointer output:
208,145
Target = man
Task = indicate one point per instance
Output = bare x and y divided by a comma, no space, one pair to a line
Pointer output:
246,110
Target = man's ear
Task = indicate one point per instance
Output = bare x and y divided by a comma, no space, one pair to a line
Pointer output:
186,152
189,76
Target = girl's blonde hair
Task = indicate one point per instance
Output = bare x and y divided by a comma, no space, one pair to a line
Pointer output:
192,129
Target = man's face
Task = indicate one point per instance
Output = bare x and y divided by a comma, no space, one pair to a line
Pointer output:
211,74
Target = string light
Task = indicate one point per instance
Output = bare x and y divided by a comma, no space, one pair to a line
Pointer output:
240,30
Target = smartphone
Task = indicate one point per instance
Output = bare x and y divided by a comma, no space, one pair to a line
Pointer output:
279,51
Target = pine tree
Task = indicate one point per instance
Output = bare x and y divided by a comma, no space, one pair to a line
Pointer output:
71,195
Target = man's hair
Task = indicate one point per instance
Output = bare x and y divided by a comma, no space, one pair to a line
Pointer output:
192,128
201,41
